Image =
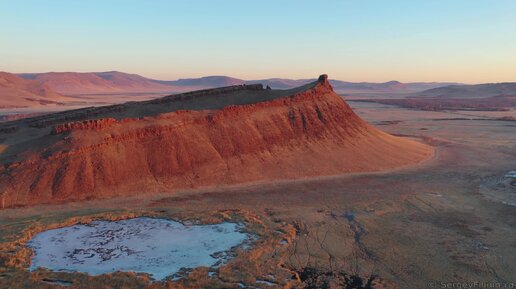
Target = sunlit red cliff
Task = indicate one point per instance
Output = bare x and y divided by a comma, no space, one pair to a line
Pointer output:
211,137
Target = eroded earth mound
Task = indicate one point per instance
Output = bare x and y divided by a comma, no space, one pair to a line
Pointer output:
210,137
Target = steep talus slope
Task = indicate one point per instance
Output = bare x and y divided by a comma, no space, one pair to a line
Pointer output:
212,137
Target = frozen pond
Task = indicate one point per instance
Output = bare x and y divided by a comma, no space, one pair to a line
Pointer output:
156,246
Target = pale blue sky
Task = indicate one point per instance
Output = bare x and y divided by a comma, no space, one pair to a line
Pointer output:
466,40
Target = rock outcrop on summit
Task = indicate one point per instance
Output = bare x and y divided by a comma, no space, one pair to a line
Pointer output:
210,137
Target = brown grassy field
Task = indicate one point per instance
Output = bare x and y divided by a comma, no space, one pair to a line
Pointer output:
410,227
498,103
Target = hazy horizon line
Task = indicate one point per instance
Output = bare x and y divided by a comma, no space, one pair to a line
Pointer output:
257,78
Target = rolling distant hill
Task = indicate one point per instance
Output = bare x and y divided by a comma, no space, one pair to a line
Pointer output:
18,92
476,90
111,82
479,97
346,87
75,83
281,83
219,81
392,87
207,81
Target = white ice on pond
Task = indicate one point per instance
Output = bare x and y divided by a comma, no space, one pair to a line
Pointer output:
156,246
511,174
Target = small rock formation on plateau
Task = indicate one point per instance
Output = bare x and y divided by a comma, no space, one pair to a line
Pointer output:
212,137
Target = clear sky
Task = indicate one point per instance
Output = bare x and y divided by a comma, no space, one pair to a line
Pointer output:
357,40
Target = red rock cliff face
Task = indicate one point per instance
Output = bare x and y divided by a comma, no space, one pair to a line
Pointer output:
310,133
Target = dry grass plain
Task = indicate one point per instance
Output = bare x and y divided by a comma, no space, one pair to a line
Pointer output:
410,227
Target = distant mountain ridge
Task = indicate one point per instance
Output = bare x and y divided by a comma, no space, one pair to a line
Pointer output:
393,86
74,83
27,90
474,90
207,81
18,92
339,85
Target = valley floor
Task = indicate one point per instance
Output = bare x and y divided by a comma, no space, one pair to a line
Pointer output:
448,220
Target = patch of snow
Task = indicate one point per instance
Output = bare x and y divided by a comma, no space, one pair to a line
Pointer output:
158,247
268,283
511,174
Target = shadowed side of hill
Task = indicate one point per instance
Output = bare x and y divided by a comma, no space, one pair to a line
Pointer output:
205,138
